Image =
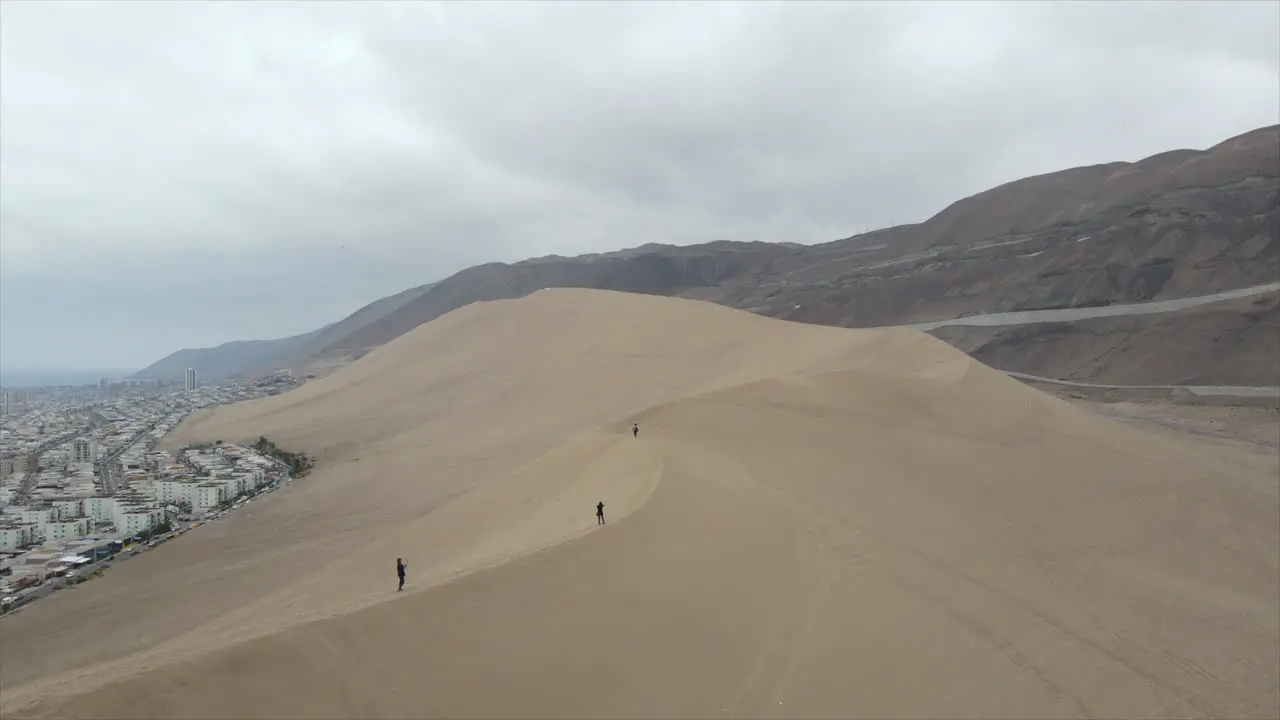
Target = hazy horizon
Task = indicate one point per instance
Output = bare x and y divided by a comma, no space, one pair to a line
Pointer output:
15,377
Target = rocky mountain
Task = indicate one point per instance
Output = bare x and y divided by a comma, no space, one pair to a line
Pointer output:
1177,224
259,357
300,356
226,360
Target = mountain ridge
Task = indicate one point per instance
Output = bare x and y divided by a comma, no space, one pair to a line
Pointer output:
264,356
1178,223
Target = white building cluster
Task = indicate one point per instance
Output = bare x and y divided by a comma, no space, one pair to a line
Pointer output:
82,478
71,518
208,478
158,489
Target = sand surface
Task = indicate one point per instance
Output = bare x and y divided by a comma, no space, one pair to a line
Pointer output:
814,523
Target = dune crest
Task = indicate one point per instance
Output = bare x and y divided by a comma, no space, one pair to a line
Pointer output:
813,522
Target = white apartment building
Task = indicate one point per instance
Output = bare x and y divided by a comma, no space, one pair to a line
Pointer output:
100,509
172,492
84,450
192,380
130,500
136,519
252,479
66,529
40,517
208,496
14,536
234,485
147,492
69,508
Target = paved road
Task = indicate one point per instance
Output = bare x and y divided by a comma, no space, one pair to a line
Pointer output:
1198,390
1028,317
109,468
1146,308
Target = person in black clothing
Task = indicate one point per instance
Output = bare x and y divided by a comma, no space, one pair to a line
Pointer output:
400,566
600,513
635,430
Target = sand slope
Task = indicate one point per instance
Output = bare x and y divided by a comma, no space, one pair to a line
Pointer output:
815,522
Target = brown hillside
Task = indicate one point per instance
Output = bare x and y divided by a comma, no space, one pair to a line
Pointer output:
1074,195
1177,224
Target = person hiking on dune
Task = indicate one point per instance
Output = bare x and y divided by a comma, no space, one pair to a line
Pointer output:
635,430
600,513
400,566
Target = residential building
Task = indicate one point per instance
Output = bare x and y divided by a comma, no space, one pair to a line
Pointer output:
128,502
208,496
64,530
68,508
192,380
234,486
13,400
100,509
135,522
84,450
252,479
15,535
139,518
40,517
173,492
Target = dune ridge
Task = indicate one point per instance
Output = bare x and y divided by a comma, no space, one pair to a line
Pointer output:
814,522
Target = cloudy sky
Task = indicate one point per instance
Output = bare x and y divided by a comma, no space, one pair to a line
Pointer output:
182,174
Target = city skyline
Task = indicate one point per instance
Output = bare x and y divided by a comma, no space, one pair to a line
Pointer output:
30,377
83,478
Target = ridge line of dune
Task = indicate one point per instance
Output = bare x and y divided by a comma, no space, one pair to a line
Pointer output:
90,677
785,468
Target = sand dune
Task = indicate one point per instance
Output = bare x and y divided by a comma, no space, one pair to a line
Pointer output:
814,522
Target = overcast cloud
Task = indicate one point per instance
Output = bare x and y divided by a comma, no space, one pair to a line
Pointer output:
180,174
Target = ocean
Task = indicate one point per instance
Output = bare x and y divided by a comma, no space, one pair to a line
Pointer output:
21,378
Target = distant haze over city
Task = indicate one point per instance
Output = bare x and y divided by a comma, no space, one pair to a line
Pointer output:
31,378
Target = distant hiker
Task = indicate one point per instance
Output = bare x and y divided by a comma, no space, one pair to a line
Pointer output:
400,566
600,513
635,430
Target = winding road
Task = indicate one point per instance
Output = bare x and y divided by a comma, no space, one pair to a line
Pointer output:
1263,391
1029,317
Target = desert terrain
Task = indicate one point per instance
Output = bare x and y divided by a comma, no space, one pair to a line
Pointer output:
814,522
